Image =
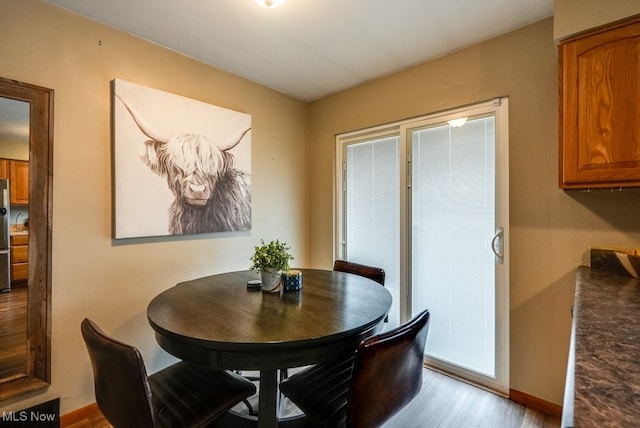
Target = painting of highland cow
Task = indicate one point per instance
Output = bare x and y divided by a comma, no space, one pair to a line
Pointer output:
181,166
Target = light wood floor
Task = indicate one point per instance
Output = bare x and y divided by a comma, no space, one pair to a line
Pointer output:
442,403
13,332
447,402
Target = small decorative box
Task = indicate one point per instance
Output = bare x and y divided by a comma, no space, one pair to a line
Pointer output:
292,280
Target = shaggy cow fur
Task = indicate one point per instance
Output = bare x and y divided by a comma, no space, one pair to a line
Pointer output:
210,194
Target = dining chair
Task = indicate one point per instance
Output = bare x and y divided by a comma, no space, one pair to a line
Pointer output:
373,273
364,391
182,394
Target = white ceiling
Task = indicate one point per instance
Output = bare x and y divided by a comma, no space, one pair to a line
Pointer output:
309,49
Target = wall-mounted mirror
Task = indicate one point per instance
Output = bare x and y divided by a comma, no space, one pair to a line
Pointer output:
26,139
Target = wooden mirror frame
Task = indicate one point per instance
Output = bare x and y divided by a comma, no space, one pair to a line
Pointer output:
38,372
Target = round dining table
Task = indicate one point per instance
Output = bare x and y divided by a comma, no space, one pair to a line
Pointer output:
221,322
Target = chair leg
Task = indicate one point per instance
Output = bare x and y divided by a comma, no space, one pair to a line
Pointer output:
284,373
252,411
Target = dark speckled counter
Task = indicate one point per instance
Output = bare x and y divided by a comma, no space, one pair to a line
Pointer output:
606,347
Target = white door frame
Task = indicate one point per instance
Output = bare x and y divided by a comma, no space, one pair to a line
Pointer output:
499,108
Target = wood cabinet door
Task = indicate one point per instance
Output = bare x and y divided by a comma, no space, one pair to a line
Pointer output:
19,272
19,171
4,168
600,109
20,254
19,240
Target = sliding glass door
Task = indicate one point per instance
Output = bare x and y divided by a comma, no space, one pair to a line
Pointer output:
454,240
427,200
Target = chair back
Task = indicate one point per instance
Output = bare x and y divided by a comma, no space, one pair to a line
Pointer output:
374,273
387,373
120,379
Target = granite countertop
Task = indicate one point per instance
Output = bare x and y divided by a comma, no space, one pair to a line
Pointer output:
607,349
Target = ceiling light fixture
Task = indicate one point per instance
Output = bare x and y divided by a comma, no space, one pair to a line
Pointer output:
457,123
270,3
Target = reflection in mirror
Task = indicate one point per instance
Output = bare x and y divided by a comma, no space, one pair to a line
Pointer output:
25,272
14,146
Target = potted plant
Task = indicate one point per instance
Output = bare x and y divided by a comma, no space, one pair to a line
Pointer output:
271,259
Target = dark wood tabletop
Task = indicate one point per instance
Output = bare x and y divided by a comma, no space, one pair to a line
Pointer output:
217,321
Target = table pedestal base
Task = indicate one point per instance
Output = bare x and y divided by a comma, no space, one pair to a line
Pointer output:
232,420
268,409
268,399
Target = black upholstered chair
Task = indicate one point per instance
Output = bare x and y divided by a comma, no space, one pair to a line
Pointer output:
182,394
383,376
373,273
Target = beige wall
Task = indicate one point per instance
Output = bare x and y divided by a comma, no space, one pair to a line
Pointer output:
551,230
575,16
112,282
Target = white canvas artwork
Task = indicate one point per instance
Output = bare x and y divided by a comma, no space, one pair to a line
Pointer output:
181,166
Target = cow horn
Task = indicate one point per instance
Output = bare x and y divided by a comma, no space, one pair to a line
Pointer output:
231,143
143,125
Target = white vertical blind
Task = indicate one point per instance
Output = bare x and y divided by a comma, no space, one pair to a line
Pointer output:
372,209
453,222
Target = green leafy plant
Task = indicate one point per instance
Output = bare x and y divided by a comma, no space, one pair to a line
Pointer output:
275,255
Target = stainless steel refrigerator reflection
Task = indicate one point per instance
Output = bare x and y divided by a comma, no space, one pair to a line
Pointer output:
5,254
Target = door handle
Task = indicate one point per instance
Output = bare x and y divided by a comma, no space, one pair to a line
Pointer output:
496,245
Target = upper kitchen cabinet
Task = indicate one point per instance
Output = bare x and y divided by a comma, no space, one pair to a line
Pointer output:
4,168
19,181
17,171
600,108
